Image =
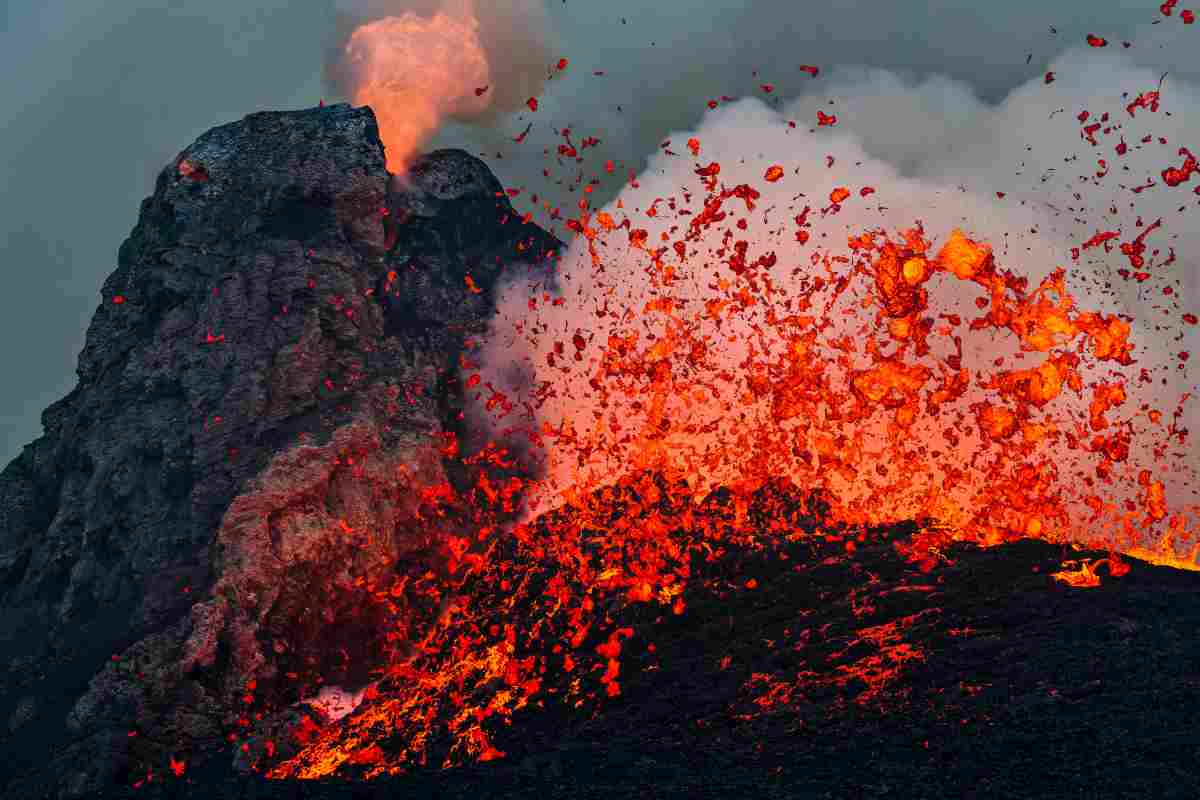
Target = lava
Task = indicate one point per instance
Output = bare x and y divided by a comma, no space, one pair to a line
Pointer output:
684,394
529,620
1086,575
701,458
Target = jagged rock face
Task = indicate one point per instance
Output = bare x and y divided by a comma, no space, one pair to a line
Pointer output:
281,323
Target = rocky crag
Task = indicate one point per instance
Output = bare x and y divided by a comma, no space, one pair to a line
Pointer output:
284,319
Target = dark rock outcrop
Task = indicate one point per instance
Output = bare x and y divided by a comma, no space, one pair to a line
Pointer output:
283,319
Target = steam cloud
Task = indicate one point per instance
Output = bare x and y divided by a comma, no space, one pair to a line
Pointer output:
936,153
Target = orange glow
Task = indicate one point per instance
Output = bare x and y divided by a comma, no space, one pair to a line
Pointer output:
1190,562
1085,574
416,71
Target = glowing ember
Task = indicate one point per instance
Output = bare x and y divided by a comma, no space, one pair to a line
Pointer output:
1085,574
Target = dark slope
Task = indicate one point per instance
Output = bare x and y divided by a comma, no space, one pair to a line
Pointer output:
859,675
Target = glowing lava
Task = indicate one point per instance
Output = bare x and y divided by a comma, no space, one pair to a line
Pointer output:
734,379
1086,574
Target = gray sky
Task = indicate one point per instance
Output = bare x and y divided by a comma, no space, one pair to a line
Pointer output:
98,96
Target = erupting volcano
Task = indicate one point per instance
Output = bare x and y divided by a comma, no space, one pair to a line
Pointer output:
767,475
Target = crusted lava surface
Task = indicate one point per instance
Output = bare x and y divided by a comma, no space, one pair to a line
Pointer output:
809,668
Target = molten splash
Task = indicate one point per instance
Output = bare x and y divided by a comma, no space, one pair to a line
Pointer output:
415,72
1086,574
739,380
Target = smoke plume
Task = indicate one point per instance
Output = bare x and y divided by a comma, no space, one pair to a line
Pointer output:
420,63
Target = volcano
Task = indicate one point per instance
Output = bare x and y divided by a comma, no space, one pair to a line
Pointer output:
261,550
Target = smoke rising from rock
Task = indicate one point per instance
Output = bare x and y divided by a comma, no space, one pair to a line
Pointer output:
419,63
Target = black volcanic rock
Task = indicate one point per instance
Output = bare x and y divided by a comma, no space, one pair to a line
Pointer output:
855,675
280,320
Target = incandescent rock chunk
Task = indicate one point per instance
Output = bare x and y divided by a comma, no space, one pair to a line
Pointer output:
280,324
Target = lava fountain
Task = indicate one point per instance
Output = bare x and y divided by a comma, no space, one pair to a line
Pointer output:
716,328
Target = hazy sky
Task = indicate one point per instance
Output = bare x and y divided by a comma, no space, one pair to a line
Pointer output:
98,96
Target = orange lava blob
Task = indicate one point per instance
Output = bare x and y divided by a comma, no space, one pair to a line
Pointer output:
1086,575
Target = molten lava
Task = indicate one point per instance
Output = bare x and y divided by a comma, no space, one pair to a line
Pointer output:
1085,574
738,381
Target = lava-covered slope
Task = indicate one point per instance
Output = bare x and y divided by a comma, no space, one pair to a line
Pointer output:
282,318
806,668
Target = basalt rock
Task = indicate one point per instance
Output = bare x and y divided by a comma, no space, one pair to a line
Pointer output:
285,318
